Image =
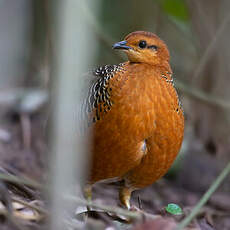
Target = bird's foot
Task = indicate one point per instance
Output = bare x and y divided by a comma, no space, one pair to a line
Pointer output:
88,195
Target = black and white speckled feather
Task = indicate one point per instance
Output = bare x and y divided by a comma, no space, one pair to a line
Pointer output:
167,76
99,91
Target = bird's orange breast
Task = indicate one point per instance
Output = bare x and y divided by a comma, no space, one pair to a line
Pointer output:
142,129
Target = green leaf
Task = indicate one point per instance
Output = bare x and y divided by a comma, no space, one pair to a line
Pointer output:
175,8
173,209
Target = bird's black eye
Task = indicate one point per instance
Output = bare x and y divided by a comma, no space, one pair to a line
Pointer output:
142,44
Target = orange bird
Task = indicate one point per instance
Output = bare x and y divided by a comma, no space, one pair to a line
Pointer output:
135,115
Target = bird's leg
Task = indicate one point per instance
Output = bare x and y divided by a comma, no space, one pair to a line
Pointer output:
124,196
88,194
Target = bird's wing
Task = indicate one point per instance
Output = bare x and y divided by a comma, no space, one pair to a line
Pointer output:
95,91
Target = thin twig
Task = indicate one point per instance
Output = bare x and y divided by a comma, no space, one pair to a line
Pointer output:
172,22
20,180
106,208
201,95
112,209
107,40
211,47
205,198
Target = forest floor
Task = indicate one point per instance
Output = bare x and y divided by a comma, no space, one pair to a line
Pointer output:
23,152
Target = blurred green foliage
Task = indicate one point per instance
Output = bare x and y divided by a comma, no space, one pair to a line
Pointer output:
175,8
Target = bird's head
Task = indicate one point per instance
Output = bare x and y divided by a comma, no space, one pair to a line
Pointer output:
144,47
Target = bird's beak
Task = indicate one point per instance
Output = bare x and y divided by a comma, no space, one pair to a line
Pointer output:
121,45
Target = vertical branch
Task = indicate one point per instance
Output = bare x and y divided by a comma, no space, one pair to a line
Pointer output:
72,44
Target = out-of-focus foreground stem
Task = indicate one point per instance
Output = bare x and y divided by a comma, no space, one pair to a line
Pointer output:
71,50
205,198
